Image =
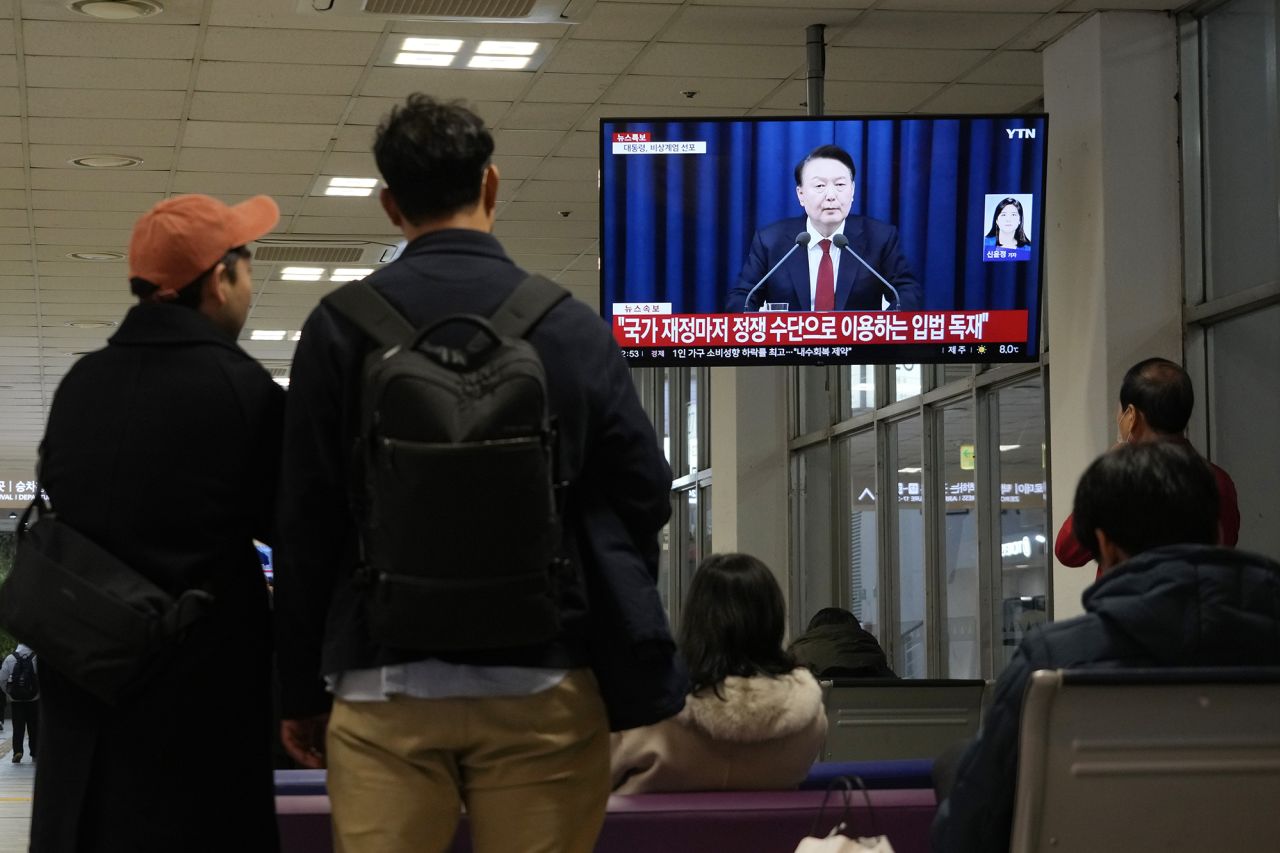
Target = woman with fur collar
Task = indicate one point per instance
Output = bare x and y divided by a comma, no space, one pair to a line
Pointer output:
754,719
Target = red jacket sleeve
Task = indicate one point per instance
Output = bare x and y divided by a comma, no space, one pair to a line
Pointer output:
1067,548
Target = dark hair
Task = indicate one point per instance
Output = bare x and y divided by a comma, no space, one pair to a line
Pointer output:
827,152
833,616
733,622
1145,495
1161,390
189,295
433,156
1019,236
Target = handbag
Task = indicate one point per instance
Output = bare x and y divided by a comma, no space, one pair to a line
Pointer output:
91,617
836,841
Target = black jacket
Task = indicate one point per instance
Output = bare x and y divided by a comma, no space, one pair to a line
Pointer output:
164,449
1182,605
841,651
617,500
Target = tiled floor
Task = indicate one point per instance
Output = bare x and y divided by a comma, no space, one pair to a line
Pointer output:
16,782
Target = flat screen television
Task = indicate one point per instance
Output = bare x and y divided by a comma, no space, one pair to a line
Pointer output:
715,232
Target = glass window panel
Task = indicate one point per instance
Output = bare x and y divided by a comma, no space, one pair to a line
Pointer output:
860,390
812,489
689,556
814,409
691,421
664,414
706,522
1244,357
906,381
954,372
1241,114
911,656
704,453
960,647
665,582
1024,546
864,582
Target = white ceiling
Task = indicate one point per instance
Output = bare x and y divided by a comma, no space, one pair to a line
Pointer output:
237,97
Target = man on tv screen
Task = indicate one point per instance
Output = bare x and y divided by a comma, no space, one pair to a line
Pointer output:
826,260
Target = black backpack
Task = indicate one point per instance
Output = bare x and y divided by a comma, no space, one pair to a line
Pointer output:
454,481
23,686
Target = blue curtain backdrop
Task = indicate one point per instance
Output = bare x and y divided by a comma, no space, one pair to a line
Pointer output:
676,227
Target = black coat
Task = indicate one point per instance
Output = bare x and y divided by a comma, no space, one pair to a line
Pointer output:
841,651
617,500
163,448
1182,605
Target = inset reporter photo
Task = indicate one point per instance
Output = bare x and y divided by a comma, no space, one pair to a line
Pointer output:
1008,218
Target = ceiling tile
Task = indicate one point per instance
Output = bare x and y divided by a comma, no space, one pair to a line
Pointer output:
98,180
624,21
104,134
362,227
8,71
98,103
295,109
247,44
254,13
277,77
568,226
82,219
175,12
369,112
930,29
47,38
543,116
779,25
9,101
10,155
289,137
579,56
558,88
855,98
537,143
83,237
712,60
708,91
582,143
548,245
342,207
901,65
575,191
1047,29
352,164
83,73
15,235
93,201
214,183
10,129
513,168
354,138
446,82
246,160
972,5
1010,67
568,169
13,219
966,98
45,156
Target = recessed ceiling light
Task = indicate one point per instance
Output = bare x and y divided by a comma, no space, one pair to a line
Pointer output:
96,256
267,335
90,324
433,60
116,10
302,273
350,186
421,45
514,48
508,63
106,161
349,274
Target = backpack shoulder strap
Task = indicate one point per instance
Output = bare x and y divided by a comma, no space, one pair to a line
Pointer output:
371,312
527,304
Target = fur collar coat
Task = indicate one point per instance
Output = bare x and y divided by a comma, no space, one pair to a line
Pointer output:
763,734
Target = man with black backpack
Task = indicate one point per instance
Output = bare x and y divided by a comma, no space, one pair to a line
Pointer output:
470,501
22,685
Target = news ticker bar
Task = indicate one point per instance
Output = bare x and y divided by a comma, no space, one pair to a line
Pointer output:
976,331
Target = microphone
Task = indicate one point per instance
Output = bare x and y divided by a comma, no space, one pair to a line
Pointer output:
842,242
802,239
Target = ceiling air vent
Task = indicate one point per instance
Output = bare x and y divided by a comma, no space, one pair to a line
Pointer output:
508,11
363,252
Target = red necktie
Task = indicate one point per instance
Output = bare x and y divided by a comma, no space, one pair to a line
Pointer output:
825,298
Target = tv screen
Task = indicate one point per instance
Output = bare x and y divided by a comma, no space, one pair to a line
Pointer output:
821,240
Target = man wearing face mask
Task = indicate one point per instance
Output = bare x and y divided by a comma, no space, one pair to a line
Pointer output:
1156,399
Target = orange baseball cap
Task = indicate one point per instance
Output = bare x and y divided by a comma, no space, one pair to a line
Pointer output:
184,236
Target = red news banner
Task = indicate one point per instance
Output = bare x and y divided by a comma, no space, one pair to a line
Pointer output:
807,328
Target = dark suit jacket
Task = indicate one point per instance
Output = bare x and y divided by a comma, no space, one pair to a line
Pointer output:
856,288
164,448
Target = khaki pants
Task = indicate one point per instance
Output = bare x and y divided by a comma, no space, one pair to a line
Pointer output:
533,771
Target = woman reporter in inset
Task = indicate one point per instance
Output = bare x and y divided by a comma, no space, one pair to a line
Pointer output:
1007,233
754,719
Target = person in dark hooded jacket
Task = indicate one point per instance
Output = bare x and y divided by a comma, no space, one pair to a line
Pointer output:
1168,597
835,645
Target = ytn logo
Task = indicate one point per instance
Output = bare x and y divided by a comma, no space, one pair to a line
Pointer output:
1021,132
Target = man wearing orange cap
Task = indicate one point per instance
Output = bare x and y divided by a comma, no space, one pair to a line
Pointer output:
163,448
